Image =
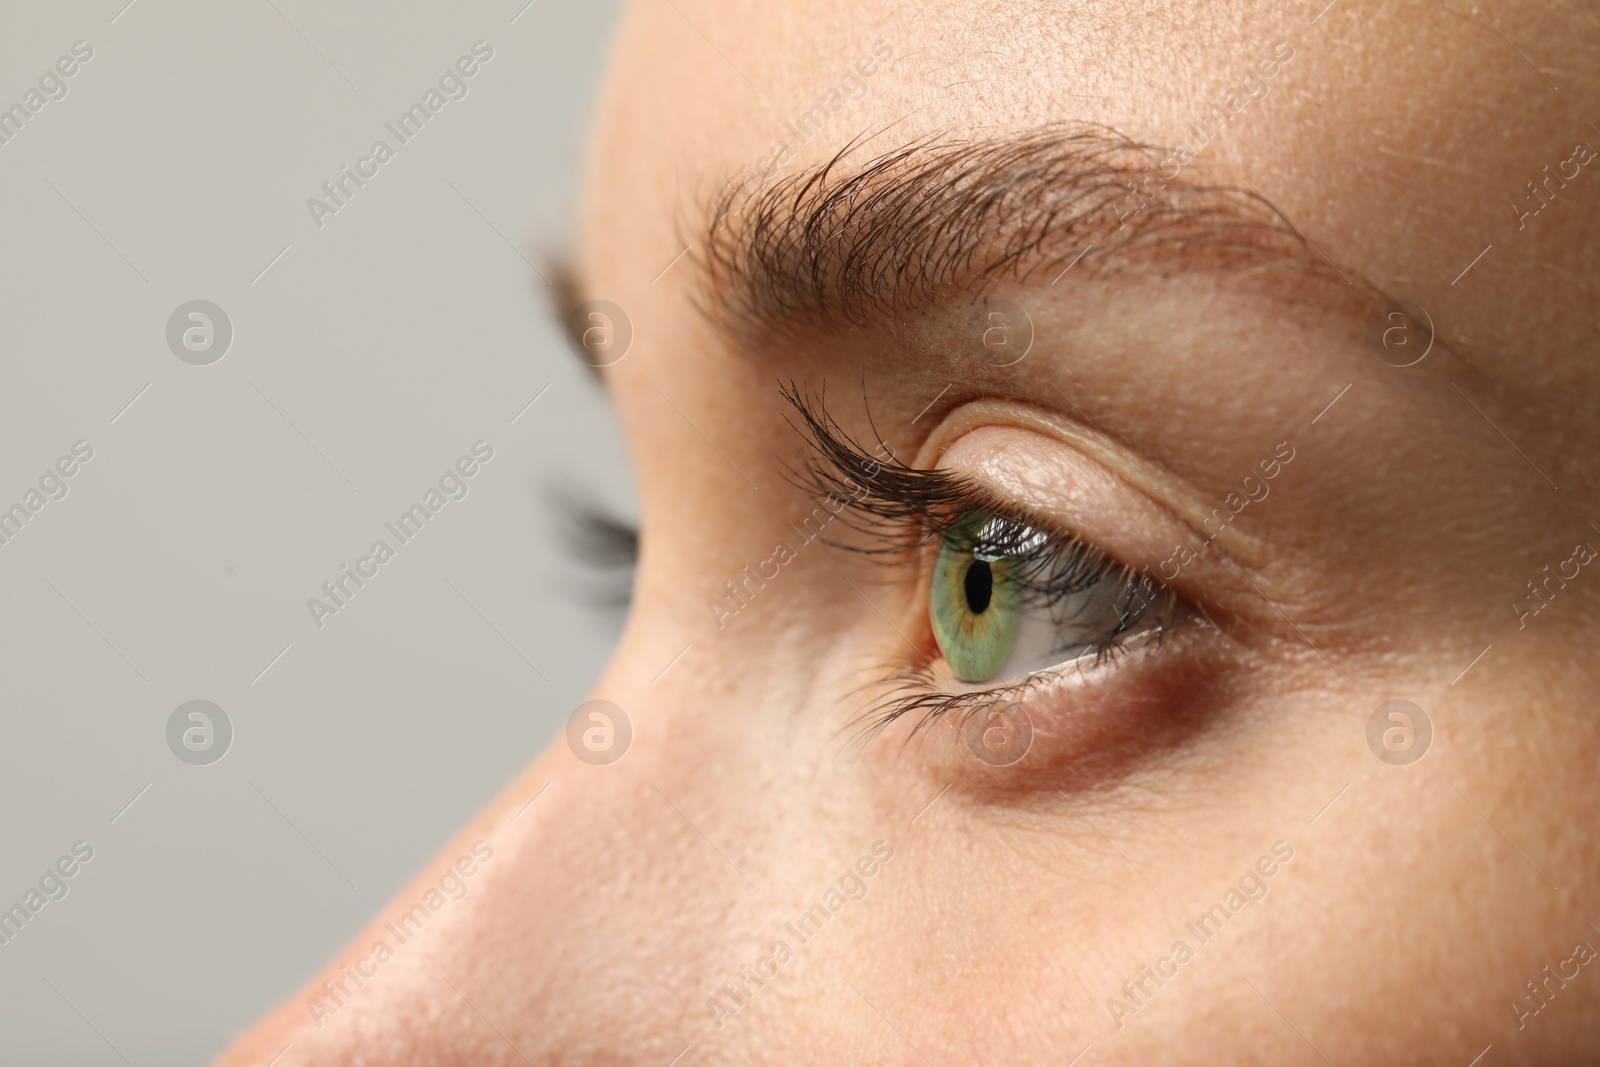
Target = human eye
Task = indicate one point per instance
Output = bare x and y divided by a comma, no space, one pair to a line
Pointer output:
1009,600
1017,610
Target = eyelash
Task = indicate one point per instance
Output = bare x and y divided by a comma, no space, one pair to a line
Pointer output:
901,512
903,509
606,547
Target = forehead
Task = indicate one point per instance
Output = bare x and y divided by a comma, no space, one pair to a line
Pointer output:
1397,138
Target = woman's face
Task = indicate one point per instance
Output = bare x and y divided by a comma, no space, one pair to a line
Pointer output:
1092,751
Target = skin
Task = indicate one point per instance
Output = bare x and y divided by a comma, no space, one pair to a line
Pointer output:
1389,553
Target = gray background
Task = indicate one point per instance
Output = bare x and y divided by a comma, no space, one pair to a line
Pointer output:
371,354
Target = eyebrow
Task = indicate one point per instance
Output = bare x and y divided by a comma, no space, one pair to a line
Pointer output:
841,243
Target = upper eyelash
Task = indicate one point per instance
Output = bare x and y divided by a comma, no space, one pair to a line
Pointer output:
904,507
897,496
900,499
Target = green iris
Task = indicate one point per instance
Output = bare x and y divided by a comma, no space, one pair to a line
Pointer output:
974,603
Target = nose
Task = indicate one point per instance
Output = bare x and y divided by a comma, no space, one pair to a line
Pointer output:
578,919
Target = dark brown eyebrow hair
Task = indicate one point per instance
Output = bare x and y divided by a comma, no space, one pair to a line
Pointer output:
841,243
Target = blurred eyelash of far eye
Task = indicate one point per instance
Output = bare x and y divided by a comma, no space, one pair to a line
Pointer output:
607,546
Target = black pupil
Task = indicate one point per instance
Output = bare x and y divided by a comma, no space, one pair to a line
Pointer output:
980,586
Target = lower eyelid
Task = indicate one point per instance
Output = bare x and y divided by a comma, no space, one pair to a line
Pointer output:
1091,723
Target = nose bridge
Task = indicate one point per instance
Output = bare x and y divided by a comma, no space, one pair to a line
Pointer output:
681,803
598,898
650,851
631,873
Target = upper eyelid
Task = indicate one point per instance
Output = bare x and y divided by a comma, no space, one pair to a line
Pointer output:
938,498
935,498
894,492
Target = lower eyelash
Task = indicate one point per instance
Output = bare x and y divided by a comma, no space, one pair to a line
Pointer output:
914,692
